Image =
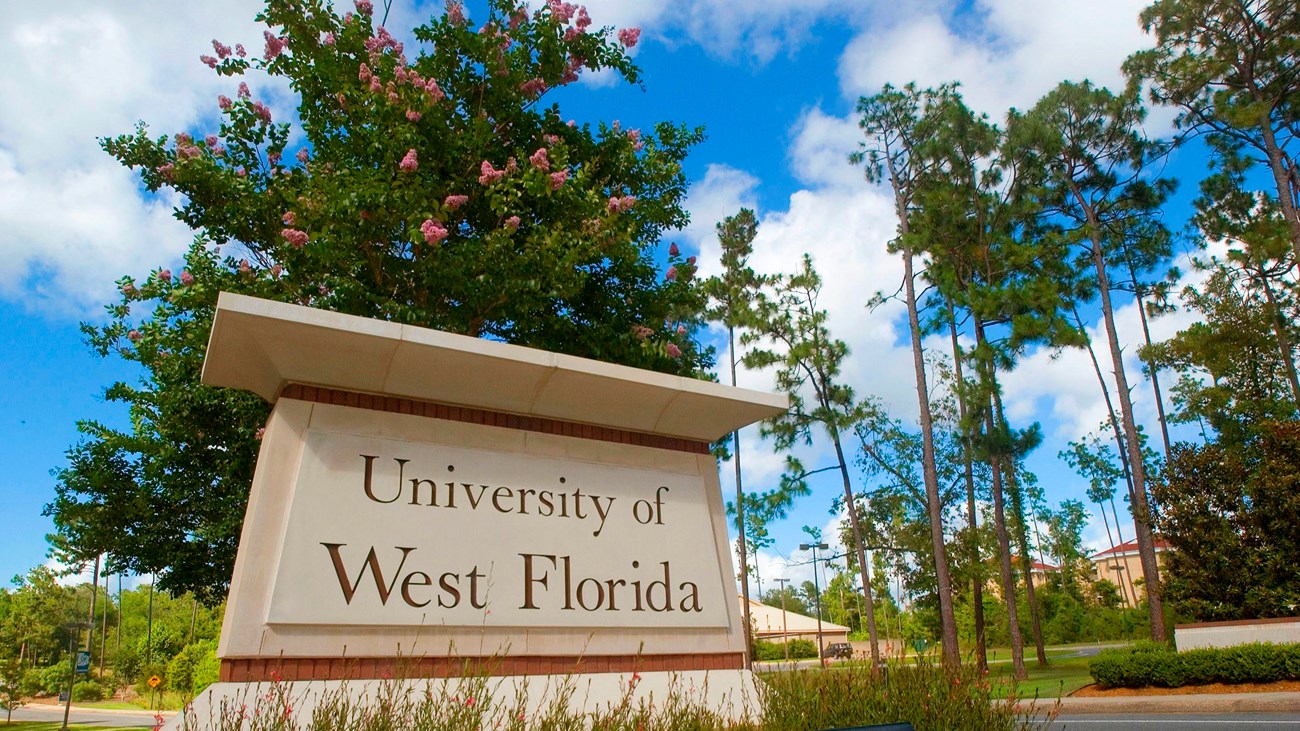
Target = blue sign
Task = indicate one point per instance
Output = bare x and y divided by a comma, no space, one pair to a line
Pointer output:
83,661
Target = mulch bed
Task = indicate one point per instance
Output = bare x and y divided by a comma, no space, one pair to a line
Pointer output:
1281,686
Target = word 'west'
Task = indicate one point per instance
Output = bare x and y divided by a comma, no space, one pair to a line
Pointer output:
503,499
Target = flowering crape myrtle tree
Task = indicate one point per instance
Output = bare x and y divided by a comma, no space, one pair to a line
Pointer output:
435,188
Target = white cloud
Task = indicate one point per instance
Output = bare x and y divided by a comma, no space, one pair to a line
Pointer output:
71,219
1007,53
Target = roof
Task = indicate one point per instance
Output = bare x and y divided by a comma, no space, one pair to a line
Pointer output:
767,620
1128,547
261,346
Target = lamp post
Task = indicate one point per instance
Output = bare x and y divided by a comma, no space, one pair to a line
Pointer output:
817,591
785,633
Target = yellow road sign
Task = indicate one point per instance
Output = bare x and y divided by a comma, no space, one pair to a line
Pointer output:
154,681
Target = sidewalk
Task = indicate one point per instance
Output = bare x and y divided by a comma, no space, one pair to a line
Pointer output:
1204,703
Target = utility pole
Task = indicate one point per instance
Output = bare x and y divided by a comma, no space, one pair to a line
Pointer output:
818,592
785,633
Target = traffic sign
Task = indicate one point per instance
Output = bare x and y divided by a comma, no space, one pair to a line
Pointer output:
83,661
154,681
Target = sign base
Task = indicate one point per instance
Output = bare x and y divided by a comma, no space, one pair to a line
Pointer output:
476,702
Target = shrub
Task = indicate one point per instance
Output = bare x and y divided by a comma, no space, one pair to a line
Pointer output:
87,690
799,650
32,682
54,679
1154,664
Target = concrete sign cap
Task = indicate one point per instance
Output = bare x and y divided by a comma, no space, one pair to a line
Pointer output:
261,346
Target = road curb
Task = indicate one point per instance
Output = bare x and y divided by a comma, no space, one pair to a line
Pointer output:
1192,703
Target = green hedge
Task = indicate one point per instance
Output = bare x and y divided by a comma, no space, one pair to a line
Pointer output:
1153,664
799,649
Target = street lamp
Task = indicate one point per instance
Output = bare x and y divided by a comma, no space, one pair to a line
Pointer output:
817,591
785,633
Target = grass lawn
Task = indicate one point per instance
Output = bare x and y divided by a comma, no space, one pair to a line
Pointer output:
1062,676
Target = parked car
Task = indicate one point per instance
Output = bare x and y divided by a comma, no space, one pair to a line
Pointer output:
839,649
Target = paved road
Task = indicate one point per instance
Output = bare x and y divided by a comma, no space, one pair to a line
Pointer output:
121,719
1178,722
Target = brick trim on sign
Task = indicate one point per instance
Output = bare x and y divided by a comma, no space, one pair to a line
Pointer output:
430,409
255,669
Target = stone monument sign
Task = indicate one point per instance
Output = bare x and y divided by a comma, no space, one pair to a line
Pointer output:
430,500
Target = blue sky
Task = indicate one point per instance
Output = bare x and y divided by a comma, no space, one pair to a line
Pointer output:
774,84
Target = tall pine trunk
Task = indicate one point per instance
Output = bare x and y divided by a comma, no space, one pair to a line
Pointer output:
1141,508
1008,575
856,525
934,506
741,546
972,516
1022,538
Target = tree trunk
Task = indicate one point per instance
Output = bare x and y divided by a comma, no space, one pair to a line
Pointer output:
1141,510
863,568
1106,521
1152,368
972,517
1281,179
1285,349
1000,527
1027,565
934,506
1022,539
741,546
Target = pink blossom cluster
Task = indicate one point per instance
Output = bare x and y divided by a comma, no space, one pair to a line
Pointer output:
244,267
274,45
365,7
209,61
681,329
224,102
540,160
296,238
134,336
128,288
381,41
186,278
671,274
455,13
452,202
533,87
629,37
239,50
634,136
222,50
673,250
561,10
410,162
167,171
433,231
642,332
624,204
185,147
327,39
512,223
672,350
558,179
165,275
244,93
303,155
289,218
518,18
263,111
412,115
488,174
